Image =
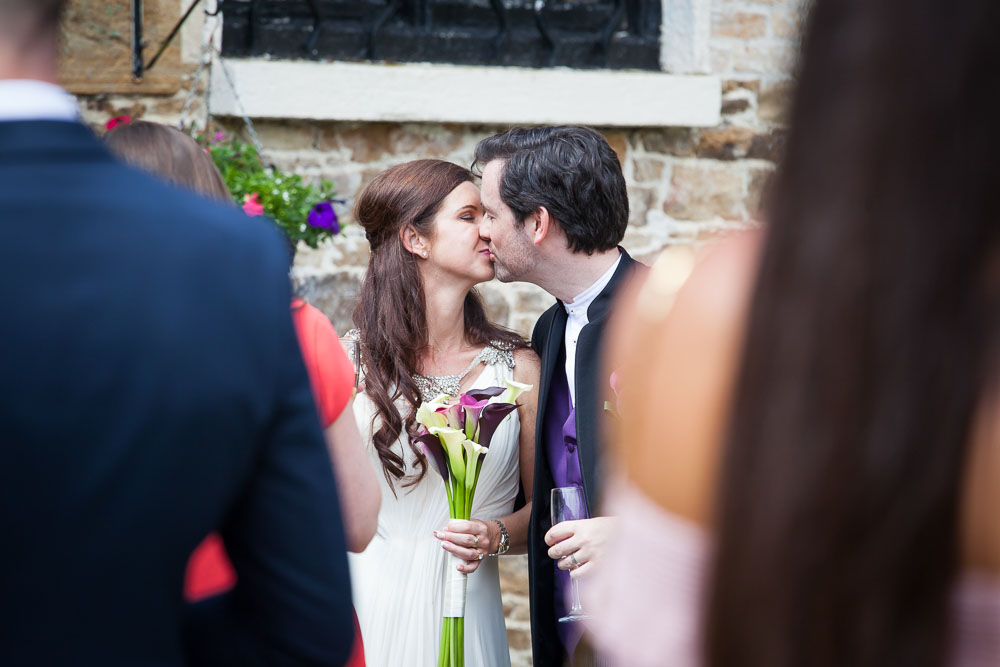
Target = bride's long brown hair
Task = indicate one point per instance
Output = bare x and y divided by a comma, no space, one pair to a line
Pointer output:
391,314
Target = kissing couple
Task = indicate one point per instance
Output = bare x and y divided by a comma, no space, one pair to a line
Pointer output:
552,211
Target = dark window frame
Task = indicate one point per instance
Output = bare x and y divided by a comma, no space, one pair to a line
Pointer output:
582,34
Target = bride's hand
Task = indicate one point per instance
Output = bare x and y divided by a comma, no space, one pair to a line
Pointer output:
469,540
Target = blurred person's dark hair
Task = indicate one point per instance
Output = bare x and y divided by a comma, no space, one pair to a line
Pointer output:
570,170
170,154
871,344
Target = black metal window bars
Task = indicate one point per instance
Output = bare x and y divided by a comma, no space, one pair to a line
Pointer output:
611,34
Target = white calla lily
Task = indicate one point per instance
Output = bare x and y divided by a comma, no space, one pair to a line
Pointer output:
514,389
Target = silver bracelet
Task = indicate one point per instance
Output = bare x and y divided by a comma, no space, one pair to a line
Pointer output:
504,545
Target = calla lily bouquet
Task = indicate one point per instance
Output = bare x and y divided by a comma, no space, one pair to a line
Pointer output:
455,435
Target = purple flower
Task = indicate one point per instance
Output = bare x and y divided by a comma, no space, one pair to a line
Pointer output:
323,216
219,136
472,408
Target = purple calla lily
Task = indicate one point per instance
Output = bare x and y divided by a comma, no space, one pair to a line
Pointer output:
455,415
473,409
488,392
432,449
490,418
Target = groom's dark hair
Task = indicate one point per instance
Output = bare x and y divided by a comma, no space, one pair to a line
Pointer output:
571,171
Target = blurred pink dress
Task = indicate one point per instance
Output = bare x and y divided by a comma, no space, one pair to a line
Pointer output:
649,616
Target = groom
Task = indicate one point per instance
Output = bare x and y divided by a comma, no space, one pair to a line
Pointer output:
555,209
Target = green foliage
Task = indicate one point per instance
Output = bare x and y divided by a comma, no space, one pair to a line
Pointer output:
286,198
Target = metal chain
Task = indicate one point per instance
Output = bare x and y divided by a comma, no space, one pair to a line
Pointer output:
194,88
239,103
210,52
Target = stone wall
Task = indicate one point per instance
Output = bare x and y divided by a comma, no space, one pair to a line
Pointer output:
684,184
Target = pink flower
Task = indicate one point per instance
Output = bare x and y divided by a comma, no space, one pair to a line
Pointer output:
116,121
251,206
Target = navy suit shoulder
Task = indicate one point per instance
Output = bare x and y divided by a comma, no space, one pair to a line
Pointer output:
152,391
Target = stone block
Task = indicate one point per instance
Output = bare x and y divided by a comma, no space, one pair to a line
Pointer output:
497,308
767,146
764,58
648,169
786,24
513,575
618,142
735,106
425,140
757,192
346,182
335,294
733,85
524,326
726,143
739,25
721,58
774,101
640,199
286,135
519,639
530,300
678,142
703,193
96,48
364,142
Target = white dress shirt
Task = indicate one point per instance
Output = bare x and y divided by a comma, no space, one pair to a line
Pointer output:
577,320
27,99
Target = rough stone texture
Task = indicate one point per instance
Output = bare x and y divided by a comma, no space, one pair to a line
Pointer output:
97,48
727,143
335,294
702,193
773,102
743,25
516,607
685,184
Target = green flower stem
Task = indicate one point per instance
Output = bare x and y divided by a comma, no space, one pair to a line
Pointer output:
445,642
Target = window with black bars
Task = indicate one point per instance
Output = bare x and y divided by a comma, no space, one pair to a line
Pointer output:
586,34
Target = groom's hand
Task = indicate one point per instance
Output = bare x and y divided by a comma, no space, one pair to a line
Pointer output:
576,544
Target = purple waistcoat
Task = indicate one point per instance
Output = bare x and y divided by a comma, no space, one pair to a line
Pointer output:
564,463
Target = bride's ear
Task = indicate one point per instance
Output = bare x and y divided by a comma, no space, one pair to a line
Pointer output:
413,241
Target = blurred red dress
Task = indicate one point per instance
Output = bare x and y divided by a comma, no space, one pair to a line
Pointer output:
331,375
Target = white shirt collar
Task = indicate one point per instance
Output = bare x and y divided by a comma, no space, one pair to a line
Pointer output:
582,301
27,99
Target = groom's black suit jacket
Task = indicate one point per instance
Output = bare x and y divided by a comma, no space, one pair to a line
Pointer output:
592,390
152,391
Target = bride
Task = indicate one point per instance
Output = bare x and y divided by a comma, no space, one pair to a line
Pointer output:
424,332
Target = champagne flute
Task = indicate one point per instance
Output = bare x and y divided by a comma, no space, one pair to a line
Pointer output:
569,504
352,346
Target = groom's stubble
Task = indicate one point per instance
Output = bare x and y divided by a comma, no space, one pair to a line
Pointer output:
515,262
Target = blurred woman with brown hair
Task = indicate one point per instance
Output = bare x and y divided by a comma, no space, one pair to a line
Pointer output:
810,436
171,154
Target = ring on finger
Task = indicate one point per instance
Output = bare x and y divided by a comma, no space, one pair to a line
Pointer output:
479,554
475,541
574,561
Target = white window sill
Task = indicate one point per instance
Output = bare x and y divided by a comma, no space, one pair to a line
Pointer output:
464,94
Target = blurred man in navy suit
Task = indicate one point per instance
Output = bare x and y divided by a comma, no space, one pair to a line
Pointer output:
151,391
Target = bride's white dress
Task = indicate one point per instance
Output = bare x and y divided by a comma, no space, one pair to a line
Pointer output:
399,579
